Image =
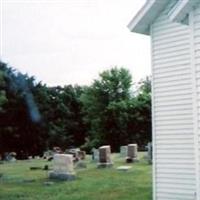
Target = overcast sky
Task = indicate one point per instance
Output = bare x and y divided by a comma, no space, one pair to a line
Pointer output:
70,41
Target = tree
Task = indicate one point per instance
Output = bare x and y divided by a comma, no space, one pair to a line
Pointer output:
139,113
103,104
35,117
19,112
3,98
60,108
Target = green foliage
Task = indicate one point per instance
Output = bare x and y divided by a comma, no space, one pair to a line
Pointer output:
35,117
114,116
61,110
3,98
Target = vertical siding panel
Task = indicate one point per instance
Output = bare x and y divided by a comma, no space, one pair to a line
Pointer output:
196,25
173,124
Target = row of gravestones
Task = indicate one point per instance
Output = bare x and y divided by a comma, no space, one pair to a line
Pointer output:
76,152
103,154
130,152
63,164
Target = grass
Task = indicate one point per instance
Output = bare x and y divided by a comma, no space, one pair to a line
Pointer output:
20,183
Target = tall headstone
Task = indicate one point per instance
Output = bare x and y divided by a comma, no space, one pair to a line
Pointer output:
132,153
123,151
63,167
105,156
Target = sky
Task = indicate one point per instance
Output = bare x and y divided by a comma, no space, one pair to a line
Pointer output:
63,42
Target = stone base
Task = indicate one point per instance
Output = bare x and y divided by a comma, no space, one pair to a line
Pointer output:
104,165
131,160
62,176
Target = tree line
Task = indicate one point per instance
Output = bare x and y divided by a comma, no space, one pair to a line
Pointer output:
35,117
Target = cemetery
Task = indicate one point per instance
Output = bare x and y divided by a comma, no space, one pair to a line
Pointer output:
114,139
51,154
63,180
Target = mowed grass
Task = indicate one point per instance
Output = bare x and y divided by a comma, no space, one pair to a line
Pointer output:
18,182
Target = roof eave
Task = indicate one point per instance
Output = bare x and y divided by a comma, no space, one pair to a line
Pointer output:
182,9
145,17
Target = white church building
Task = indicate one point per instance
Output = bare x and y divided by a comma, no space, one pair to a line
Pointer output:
174,28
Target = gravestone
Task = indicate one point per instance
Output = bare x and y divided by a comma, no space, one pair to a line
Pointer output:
95,155
11,157
30,157
131,153
104,157
74,152
149,154
37,157
48,154
123,151
63,167
81,155
57,150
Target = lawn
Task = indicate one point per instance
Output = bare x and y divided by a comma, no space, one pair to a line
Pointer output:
18,182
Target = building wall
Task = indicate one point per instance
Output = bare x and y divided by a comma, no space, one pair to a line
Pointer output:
196,45
173,105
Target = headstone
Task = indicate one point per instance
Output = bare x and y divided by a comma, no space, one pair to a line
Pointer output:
95,155
30,157
74,152
48,154
81,155
131,153
63,167
123,151
11,157
105,156
149,147
57,150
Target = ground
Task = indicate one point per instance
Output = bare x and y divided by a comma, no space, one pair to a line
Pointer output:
18,182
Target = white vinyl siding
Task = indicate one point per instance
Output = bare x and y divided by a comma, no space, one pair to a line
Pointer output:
174,168
197,64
